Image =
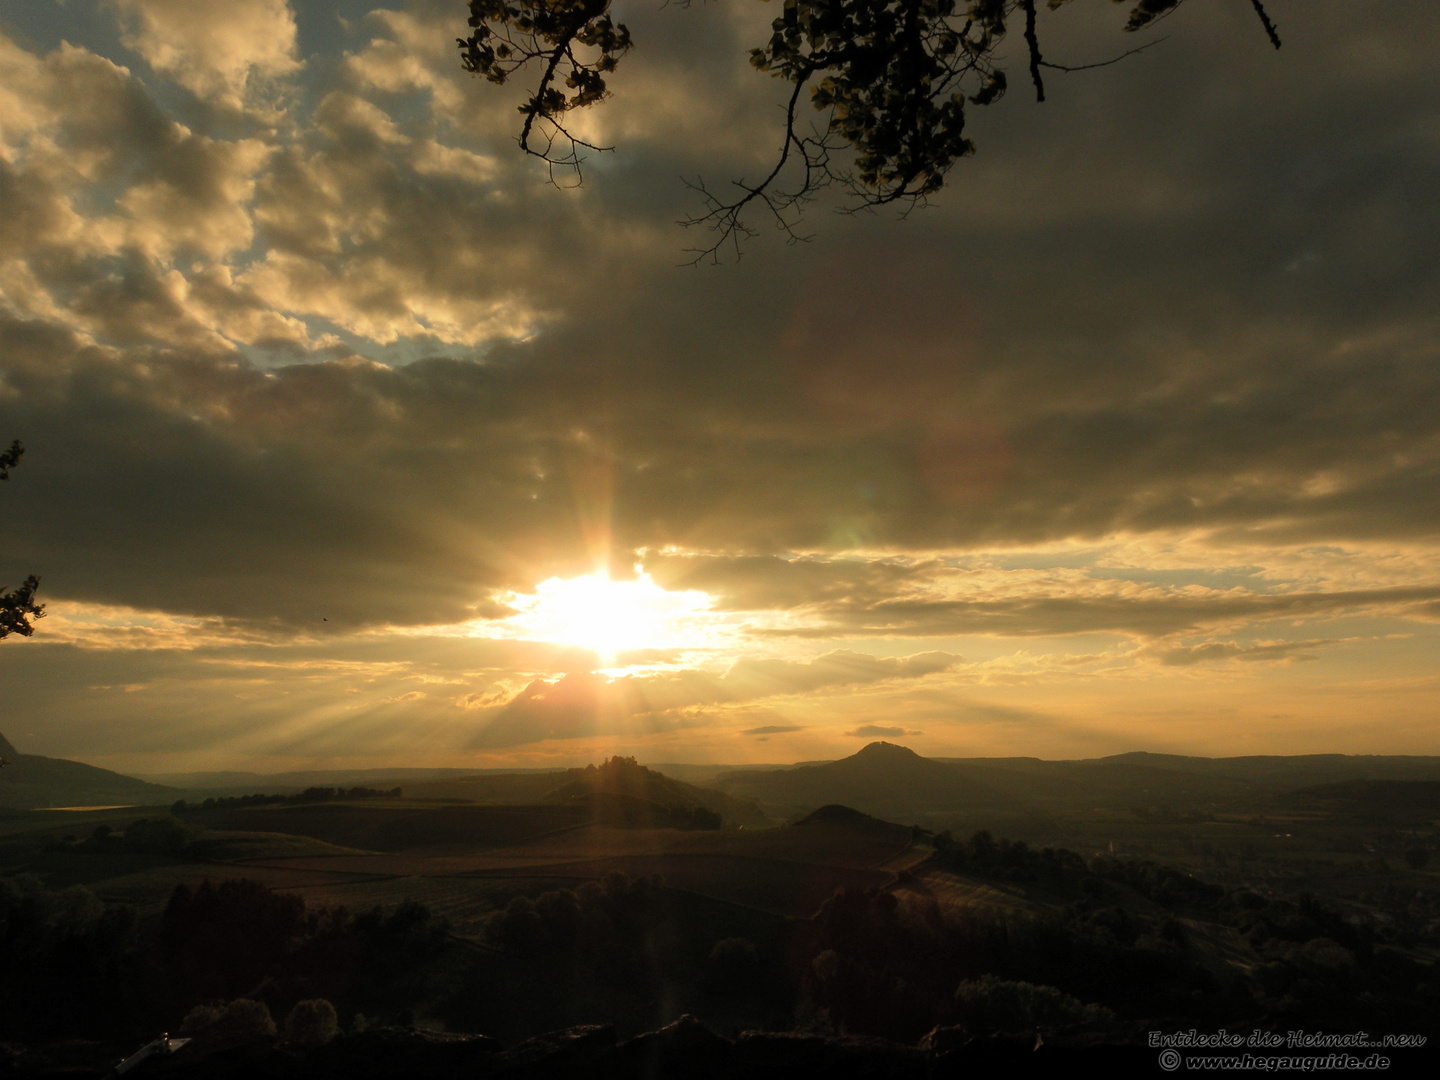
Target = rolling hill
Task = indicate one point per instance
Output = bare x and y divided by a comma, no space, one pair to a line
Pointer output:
625,787
1395,803
896,783
29,781
882,779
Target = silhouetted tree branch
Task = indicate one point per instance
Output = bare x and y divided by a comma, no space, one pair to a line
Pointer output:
18,608
1270,30
1032,42
573,39
10,458
890,79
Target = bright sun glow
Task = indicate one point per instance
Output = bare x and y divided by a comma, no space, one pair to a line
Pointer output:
611,617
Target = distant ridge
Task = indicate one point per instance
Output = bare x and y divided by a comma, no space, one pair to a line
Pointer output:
888,753
231,782
31,782
1416,802
834,812
882,779
894,782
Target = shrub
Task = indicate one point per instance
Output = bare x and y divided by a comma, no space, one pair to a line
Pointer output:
734,964
165,836
990,1005
311,1024
242,1020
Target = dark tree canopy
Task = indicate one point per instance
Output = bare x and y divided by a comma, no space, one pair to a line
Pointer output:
10,458
891,80
18,609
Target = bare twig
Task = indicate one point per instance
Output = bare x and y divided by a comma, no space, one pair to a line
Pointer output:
1270,30
1102,63
725,218
1033,43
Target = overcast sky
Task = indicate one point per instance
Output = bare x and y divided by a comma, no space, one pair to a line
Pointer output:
1130,440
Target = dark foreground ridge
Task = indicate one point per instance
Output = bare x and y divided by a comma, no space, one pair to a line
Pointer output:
685,1048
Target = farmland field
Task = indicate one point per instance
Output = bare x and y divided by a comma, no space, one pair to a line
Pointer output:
384,826
463,861
786,871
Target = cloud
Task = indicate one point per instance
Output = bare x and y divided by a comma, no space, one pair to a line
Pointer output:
879,731
217,49
588,384
570,708
486,699
106,198
380,232
1262,652
772,729
764,676
760,582
1157,614
584,704
353,365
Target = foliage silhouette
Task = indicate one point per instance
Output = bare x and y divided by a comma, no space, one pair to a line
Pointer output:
623,792
734,965
65,956
990,1005
310,1024
890,78
10,458
310,795
1317,966
612,926
891,963
18,609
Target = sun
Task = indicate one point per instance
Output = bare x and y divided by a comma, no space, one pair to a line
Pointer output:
611,617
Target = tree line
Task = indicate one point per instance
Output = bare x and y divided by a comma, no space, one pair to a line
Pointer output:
79,968
310,795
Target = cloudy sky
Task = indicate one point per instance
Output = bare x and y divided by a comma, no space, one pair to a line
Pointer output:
352,440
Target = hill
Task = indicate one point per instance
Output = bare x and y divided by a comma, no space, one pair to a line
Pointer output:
512,808
1374,802
623,787
29,781
633,794
620,791
1286,771
895,782
882,779
228,783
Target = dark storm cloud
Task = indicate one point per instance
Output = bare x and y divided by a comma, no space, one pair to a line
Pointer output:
355,492
136,501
